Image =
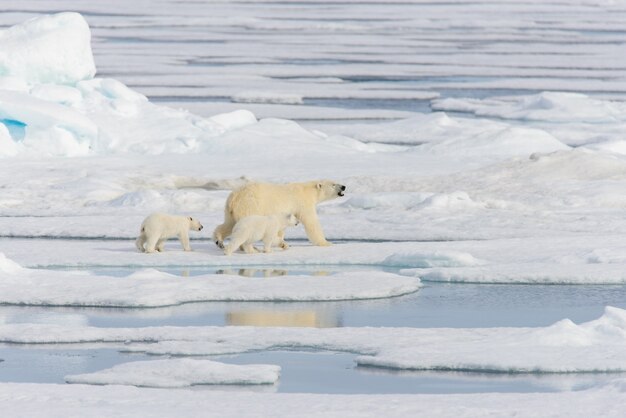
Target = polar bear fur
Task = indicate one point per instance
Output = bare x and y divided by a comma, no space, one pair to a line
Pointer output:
158,227
269,229
267,199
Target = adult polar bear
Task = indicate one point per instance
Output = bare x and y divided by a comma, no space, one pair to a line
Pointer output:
273,199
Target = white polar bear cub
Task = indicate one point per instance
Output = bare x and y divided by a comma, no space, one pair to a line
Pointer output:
158,227
269,229
267,199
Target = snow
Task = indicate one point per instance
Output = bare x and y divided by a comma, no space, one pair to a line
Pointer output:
29,400
563,347
50,49
516,177
152,288
178,373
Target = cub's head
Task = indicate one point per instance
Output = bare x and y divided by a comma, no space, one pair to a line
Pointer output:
194,224
328,189
292,220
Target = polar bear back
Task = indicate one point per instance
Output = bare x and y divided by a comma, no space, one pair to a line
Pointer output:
269,199
164,225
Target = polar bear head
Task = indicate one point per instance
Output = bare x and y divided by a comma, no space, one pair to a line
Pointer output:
194,224
328,189
292,220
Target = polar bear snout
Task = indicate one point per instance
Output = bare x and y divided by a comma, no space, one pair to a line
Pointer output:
342,189
194,224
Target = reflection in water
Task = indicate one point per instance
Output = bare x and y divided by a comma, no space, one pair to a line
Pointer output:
259,272
278,318
248,272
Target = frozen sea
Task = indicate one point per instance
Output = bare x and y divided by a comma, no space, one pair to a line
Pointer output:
478,265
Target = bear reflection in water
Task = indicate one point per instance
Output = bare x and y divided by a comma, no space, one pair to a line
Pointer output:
316,318
252,272
283,318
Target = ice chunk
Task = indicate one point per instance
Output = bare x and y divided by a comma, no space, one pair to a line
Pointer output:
175,373
234,120
547,106
50,128
48,49
434,259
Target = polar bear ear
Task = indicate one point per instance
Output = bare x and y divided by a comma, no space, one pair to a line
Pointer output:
190,218
319,186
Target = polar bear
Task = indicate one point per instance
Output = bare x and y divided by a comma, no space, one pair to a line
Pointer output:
272,199
158,227
269,229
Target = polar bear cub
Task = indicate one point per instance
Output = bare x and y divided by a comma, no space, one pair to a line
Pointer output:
269,229
158,227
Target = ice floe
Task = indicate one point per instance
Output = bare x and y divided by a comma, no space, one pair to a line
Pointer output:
564,347
58,401
151,288
177,373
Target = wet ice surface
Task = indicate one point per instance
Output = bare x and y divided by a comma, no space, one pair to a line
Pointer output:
301,372
434,305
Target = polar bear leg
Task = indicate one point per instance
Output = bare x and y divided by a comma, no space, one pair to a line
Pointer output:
281,240
160,245
267,244
313,229
184,240
223,231
151,244
236,240
141,240
248,248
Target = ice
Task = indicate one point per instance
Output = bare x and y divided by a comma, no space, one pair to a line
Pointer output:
573,118
151,288
178,373
531,273
50,49
234,120
564,347
29,400
518,177
49,127
554,107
